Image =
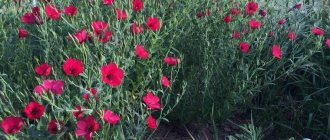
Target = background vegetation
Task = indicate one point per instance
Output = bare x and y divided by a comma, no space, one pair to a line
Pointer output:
214,84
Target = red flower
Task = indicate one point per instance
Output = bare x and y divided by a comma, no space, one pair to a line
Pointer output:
73,67
291,35
55,126
151,122
236,35
251,8
22,33
153,23
151,101
137,29
234,11
227,18
327,43
276,51
199,14
141,52
36,13
271,34
255,24
52,12
166,82
244,47
81,35
245,31
281,21
121,14
93,91
110,117
39,89
34,110
55,86
28,18
106,37
99,27
70,10
112,75
297,5
137,5
43,69
78,113
171,61
263,12
108,2
11,124
317,31
86,127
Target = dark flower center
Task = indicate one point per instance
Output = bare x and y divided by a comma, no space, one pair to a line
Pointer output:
72,70
109,76
34,111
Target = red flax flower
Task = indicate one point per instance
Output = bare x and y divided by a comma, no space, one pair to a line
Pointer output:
108,2
234,11
39,89
327,43
99,27
70,10
245,31
93,91
291,35
34,110
55,86
251,8
297,6
22,33
11,124
199,14
55,127
263,13
271,34
121,14
28,18
141,52
172,61
137,5
78,113
151,100
43,69
227,18
236,35
255,24
86,127
137,29
165,82
151,122
110,117
81,35
72,67
153,23
36,13
106,37
244,47
276,51
281,21
112,75
52,12
317,31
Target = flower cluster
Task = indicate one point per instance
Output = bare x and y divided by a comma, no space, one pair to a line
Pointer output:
57,81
